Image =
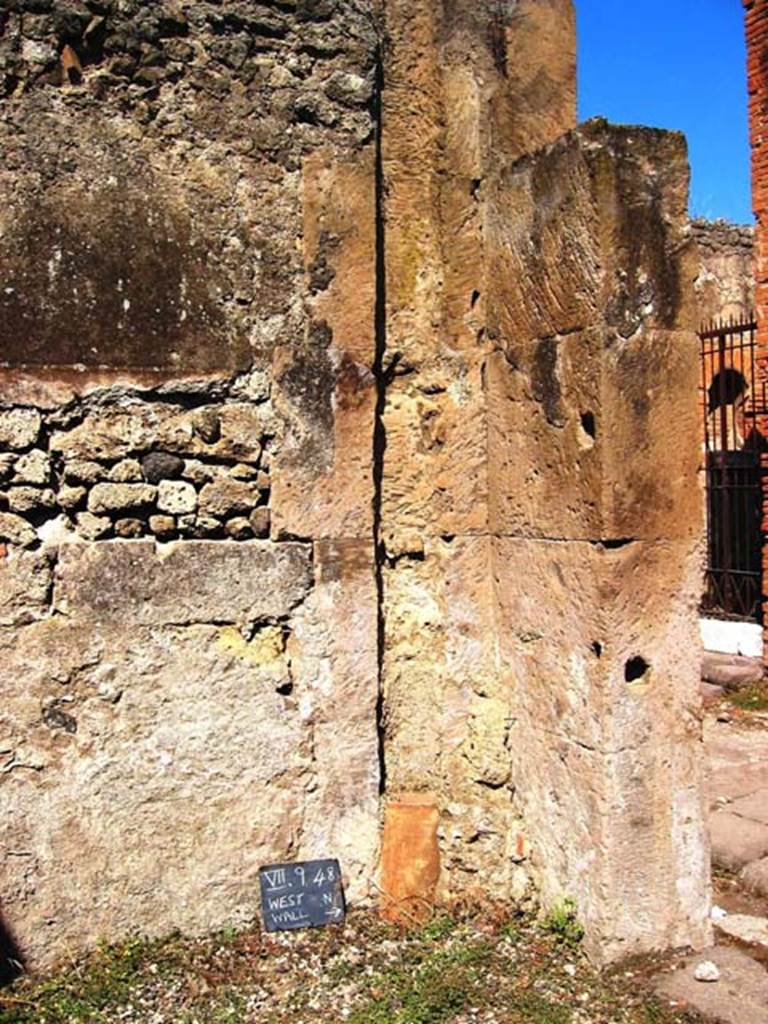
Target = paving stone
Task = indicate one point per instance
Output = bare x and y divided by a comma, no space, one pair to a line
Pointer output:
746,928
754,806
755,877
736,841
710,693
730,670
739,997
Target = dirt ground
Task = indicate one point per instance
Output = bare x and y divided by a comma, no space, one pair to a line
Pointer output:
461,969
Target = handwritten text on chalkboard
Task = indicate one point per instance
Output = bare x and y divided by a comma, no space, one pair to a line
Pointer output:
301,895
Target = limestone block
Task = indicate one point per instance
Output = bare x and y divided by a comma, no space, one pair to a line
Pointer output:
120,497
322,475
25,584
606,745
334,665
193,764
582,234
227,496
584,437
27,500
32,468
448,705
16,530
93,527
176,497
194,581
737,841
19,428
126,471
121,431
755,876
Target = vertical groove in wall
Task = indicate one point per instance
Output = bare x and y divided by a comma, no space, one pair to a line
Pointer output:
379,429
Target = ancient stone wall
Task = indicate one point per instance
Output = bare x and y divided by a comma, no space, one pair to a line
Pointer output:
725,286
188,600
336,369
595,514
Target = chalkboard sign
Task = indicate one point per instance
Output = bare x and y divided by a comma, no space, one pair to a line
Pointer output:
301,895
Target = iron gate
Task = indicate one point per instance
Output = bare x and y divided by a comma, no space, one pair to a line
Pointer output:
732,416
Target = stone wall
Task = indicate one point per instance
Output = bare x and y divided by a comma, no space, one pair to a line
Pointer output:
596,519
335,368
725,286
188,611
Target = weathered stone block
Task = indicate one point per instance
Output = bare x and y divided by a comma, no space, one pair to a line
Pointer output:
19,428
194,581
581,234
16,530
227,496
606,712
131,428
25,586
176,497
121,497
584,437
32,468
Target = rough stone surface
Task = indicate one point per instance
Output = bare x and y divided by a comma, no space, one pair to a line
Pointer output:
16,530
755,876
120,497
227,497
725,285
736,841
739,997
753,931
176,497
731,671
356,317
182,583
19,428
159,466
32,468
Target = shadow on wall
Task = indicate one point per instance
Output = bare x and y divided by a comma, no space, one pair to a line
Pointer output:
11,957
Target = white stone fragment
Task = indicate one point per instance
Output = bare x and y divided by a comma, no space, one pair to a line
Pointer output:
176,497
706,971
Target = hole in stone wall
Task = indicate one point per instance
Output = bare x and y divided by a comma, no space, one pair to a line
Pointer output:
597,648
474,298
285,689
635,669
588,424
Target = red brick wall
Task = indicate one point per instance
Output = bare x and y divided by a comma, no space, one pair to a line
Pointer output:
756,12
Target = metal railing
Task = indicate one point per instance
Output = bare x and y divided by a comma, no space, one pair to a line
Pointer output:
732,396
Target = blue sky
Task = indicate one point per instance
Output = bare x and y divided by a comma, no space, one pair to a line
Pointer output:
675,64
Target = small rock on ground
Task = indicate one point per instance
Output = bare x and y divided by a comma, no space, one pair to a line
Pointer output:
706,971
739,997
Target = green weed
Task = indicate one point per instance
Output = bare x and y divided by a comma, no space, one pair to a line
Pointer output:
563,924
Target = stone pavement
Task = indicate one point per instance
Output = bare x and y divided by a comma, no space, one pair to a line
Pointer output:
737,752
738,787
739,996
